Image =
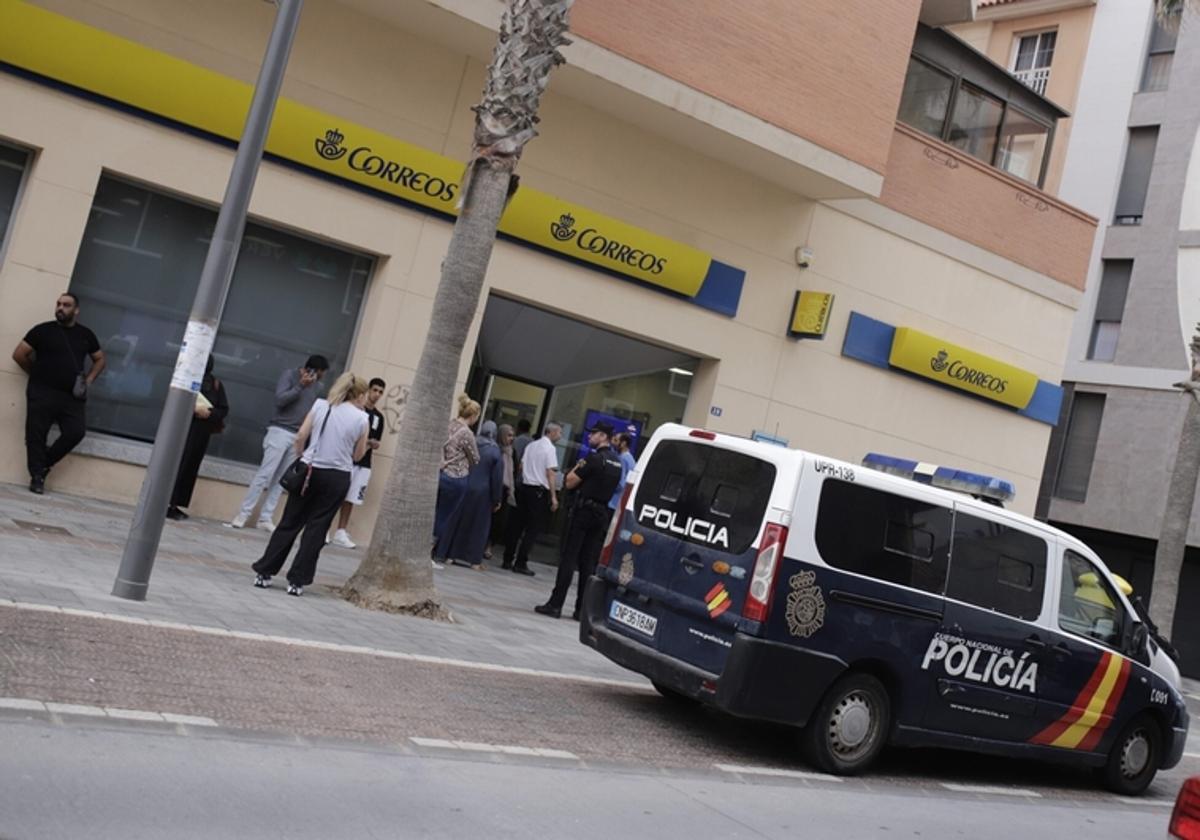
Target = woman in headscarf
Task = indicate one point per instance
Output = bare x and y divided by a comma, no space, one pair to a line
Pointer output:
208,419
466,533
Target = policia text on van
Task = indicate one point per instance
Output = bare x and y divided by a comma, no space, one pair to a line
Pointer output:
866,609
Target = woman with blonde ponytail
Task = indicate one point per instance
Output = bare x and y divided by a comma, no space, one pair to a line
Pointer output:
332,437
459,454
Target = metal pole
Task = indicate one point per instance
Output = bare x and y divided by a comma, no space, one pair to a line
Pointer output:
133,578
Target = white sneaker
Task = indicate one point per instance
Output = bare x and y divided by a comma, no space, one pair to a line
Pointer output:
236,522
266,525
340,537
437,565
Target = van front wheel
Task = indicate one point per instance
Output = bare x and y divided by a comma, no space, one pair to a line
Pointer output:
849,727
1134,757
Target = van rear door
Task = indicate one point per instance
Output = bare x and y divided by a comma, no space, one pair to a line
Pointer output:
687,548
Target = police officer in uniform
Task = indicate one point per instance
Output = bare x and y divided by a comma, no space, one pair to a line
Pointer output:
594,480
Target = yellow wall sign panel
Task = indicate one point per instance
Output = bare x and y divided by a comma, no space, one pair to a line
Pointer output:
810,314
90,59
931,357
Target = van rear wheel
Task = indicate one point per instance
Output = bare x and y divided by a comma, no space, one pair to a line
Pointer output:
1134,758
850,726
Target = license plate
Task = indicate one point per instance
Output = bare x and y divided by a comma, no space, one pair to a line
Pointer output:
630,617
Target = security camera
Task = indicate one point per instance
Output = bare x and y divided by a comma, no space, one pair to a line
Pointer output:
804,256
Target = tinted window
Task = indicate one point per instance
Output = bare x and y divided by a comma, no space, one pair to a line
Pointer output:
136,274
1087,605
12,171
997,567
885,536
926,97
685,480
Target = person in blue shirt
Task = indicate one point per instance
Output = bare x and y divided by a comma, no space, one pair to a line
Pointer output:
621,441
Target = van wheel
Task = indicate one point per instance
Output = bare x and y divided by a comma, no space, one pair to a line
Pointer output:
1134,758
673,695
850,726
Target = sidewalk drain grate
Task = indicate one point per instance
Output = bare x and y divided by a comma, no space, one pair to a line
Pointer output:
40,528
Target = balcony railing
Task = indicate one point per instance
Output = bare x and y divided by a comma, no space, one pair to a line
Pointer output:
1034,78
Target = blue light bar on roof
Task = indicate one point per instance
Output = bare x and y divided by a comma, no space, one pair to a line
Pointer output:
947,478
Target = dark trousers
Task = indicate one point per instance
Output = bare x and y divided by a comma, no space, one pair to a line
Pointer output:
45,408
527,521
189,465
581,550
311,513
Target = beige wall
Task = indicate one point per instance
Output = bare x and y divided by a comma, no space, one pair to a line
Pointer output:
997,40
419,92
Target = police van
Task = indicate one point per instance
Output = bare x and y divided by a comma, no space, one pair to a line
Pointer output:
867,609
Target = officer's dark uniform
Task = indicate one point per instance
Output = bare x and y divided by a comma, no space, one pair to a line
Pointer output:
599,477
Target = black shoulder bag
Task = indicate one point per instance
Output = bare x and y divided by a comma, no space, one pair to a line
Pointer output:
295,479
79,388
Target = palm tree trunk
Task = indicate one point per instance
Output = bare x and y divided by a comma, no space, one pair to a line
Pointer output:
396,573
1177,516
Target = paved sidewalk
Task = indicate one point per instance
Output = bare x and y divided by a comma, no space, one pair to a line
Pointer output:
64,551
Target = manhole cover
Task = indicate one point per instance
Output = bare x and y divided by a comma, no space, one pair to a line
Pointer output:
40,528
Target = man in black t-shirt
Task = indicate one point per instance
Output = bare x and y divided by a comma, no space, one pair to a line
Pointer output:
594,480
360,473
53,354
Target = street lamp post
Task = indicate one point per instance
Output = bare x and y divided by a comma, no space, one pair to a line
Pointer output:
133,577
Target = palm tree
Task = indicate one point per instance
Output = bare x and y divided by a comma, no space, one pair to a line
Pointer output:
396,574
1181,493
1181,496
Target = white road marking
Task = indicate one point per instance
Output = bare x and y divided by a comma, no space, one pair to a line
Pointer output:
776,771
1191,755
1157,803
101,712
318,645
990,790
474,746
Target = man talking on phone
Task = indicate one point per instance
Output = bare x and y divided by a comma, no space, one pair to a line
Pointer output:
295,394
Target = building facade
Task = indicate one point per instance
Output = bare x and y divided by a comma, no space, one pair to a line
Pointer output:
700,166
1134,161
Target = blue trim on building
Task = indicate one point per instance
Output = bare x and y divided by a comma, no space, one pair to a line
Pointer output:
721,290
870,341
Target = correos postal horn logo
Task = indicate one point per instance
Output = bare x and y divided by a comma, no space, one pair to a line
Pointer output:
362,159
590,239
977,377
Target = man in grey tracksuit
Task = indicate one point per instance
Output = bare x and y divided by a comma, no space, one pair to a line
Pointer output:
295,394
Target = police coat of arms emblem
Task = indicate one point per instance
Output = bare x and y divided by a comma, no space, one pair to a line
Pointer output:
805,605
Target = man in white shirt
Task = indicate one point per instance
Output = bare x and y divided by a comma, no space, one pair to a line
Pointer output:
537,498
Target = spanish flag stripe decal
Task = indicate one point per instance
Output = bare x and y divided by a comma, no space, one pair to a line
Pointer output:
712,593
1077,730
724,605
1106,716
1054,730
720,599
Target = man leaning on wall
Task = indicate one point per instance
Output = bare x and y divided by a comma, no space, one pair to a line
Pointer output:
295,394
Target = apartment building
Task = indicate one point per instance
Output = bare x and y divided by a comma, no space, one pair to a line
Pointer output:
829,224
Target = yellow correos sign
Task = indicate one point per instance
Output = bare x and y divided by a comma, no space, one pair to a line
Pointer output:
82,56
931,357
810,314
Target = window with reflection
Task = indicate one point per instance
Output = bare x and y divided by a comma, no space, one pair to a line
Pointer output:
975,123
1023,142
136,276
926,97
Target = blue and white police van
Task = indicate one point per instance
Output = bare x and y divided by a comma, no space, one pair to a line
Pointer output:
865,608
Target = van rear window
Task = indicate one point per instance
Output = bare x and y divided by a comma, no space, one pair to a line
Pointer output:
705,495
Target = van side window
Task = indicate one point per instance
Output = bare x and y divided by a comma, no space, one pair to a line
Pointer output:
705,495
888,537
1087,605
997,567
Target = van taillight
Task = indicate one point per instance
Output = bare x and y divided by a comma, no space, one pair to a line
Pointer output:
701,433
1185,821
618,514
766,564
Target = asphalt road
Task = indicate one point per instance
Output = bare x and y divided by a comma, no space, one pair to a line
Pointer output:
308,739
99,781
